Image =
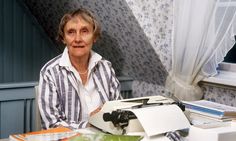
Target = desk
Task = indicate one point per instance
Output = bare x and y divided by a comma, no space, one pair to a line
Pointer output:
156,138
91,130
164,139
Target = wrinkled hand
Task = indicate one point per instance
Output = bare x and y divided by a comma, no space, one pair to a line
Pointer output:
96,110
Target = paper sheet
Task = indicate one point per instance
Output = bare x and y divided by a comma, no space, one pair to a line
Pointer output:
161,119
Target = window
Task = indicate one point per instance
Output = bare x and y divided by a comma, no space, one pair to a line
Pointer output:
231,55
226,69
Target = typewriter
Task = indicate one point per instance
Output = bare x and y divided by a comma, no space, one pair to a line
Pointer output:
151,115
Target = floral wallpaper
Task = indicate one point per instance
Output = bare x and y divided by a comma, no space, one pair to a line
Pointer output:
147,89
156,18
219,93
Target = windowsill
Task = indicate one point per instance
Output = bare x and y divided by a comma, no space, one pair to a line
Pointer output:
226,75
223,78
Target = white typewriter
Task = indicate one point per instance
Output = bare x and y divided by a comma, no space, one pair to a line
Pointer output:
154,115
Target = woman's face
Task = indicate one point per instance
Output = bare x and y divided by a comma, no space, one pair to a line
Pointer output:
78,37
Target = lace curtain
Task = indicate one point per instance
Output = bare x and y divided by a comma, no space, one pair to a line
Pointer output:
203,34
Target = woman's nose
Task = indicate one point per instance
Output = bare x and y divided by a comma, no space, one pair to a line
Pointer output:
78,37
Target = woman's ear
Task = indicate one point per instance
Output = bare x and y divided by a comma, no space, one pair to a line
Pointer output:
94,40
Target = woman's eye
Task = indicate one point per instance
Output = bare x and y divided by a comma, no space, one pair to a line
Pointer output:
84,30
71,31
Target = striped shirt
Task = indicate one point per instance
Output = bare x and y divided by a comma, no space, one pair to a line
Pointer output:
60,101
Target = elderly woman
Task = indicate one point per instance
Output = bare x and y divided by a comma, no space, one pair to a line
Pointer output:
75,84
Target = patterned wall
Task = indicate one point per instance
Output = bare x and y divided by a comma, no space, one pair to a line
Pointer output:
219,93
136,35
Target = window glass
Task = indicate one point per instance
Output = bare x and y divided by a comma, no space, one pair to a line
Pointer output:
231,55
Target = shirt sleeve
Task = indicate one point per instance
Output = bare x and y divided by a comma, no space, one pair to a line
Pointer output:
49,106
114,86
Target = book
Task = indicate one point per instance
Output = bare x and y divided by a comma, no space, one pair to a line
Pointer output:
103,137
200,119
211,109
66,134
52,132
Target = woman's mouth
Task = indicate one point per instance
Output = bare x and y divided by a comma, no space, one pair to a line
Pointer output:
78,46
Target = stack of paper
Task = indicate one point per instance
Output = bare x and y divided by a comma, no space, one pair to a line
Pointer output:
211,109
53,133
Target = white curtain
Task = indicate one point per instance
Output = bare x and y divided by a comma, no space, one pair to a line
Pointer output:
203,34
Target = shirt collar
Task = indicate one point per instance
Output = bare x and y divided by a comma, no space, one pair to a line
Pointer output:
65,60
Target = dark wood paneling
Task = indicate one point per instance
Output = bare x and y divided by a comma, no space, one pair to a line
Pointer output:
24,46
